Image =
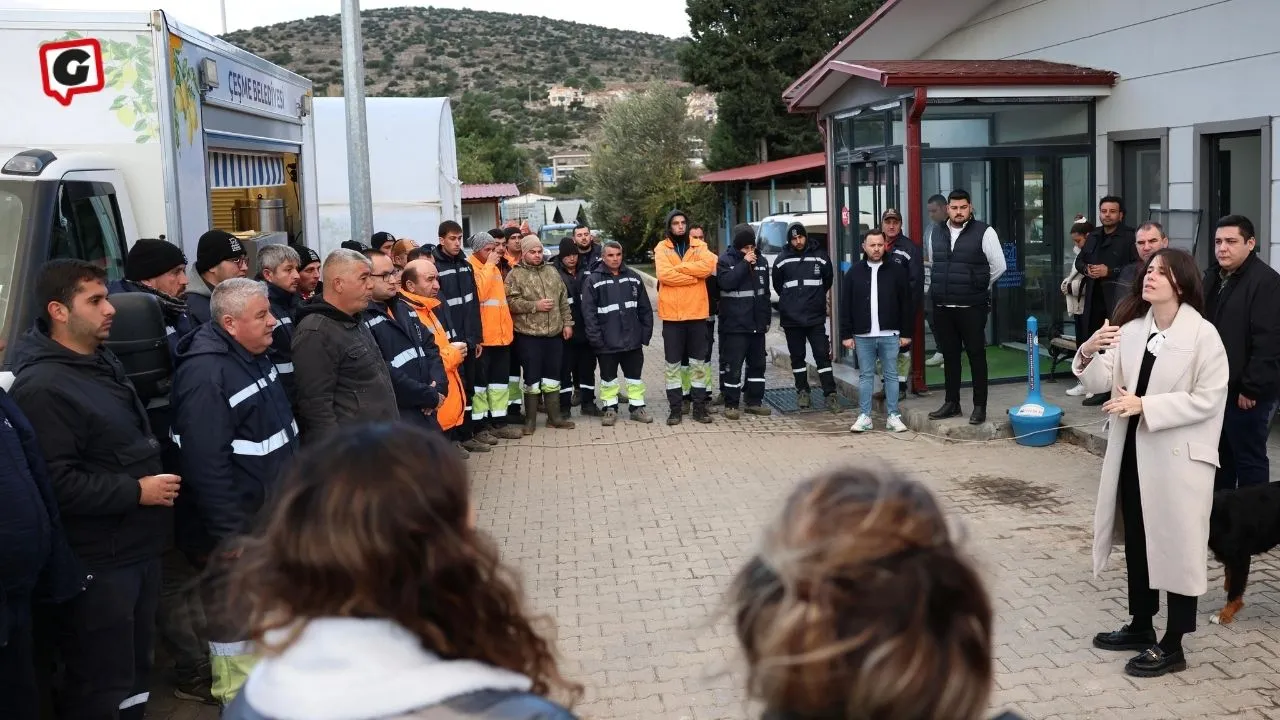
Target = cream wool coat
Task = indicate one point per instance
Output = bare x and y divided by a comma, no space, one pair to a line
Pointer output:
1176,446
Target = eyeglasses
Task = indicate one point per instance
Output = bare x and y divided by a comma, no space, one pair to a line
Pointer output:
386,275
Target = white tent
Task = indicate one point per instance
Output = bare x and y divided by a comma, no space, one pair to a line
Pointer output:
413,163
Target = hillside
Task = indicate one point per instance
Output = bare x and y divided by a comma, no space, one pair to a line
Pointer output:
511,60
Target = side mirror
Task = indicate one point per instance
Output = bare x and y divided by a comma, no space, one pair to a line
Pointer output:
138,337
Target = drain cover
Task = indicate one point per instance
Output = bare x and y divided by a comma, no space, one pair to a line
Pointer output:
784,400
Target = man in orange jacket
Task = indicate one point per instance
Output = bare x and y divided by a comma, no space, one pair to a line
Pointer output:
419,286
491,385
683,265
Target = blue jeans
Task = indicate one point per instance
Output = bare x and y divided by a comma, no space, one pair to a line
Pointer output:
870,349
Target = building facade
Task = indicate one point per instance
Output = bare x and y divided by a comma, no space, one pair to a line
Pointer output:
1039,109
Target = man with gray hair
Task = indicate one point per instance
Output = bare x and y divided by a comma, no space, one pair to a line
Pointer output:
279,265
236,435
340,375
1149,238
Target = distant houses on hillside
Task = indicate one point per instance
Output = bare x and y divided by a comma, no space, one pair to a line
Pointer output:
700,105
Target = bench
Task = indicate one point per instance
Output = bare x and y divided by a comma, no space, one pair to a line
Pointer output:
1062,348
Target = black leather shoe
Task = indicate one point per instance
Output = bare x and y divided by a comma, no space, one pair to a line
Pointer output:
1125,639
948,410
979,415
1154,662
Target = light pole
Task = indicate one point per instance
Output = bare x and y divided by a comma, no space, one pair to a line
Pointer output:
361,191
223,5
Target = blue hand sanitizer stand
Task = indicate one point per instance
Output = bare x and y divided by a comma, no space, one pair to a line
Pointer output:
1035,422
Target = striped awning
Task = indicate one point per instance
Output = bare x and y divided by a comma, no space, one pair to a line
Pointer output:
229,170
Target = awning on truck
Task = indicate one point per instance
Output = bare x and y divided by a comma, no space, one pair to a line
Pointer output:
231,170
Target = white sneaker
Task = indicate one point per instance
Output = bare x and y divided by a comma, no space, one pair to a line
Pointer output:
862,425
935,360
895,423
1076,391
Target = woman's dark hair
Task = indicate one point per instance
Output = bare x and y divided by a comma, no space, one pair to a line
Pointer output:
375,523
1184,276
1084,227
859,604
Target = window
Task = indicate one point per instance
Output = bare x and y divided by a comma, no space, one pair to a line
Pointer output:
466,226
784,206
755,210
11,233
1141,179
88,226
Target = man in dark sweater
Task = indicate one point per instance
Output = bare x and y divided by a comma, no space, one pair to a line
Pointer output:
967,259
1240,300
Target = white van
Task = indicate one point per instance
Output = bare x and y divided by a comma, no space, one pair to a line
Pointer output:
771,235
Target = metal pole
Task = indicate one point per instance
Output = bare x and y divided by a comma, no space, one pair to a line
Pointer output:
223,4
361,191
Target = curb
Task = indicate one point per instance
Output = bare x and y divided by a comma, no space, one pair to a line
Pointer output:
996,427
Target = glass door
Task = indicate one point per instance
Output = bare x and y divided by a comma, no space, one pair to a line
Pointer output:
864,191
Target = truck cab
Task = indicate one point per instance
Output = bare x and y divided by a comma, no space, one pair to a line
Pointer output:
55,205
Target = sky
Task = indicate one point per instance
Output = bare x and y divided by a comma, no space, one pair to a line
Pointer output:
661,17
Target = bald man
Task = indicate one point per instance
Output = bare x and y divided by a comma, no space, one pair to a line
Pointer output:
336,361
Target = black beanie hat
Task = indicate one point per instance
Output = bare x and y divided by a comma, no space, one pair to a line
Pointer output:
307,255
216,246
568,247
381,238
795,230
149,258
743,235
354,245
497,234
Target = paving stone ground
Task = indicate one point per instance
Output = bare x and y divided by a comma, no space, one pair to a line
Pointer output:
627,539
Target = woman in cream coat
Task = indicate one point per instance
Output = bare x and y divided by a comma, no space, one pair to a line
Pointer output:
1167,371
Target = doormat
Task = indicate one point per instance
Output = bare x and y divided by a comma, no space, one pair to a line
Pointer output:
784,400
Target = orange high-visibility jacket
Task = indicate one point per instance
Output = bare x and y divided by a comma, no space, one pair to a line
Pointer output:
495,318
449,414
682,282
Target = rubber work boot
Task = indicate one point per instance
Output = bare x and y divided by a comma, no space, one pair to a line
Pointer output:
675,417
507,432
803,401
641,415
759,410
531,417
476,446
732,413
555,419
486,437
610,417
833,404
462,452
687,407
700,413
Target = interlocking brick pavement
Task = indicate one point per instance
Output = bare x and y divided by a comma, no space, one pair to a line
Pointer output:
627,539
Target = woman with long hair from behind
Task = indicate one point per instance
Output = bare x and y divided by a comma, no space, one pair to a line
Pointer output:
859,606
373,595
1167,373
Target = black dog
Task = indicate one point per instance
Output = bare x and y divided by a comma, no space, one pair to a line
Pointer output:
1244,523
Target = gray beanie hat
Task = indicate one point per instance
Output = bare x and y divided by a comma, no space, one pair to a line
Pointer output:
480,240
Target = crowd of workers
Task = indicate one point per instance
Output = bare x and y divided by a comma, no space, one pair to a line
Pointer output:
129,492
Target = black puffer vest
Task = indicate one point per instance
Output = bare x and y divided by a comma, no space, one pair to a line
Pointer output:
961,275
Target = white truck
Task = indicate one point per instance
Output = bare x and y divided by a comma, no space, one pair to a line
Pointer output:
120,126
413,163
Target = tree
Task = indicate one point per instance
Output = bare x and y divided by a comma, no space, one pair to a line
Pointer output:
748,53
487,150
640,169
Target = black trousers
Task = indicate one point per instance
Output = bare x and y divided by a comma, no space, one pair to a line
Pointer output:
686,341
735,349
814,336
467,375
19,690
577,370
104,636
1144,601
180,619
540,359
1242,448
962,329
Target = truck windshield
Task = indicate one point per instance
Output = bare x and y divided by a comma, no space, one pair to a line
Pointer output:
772,237
15,198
